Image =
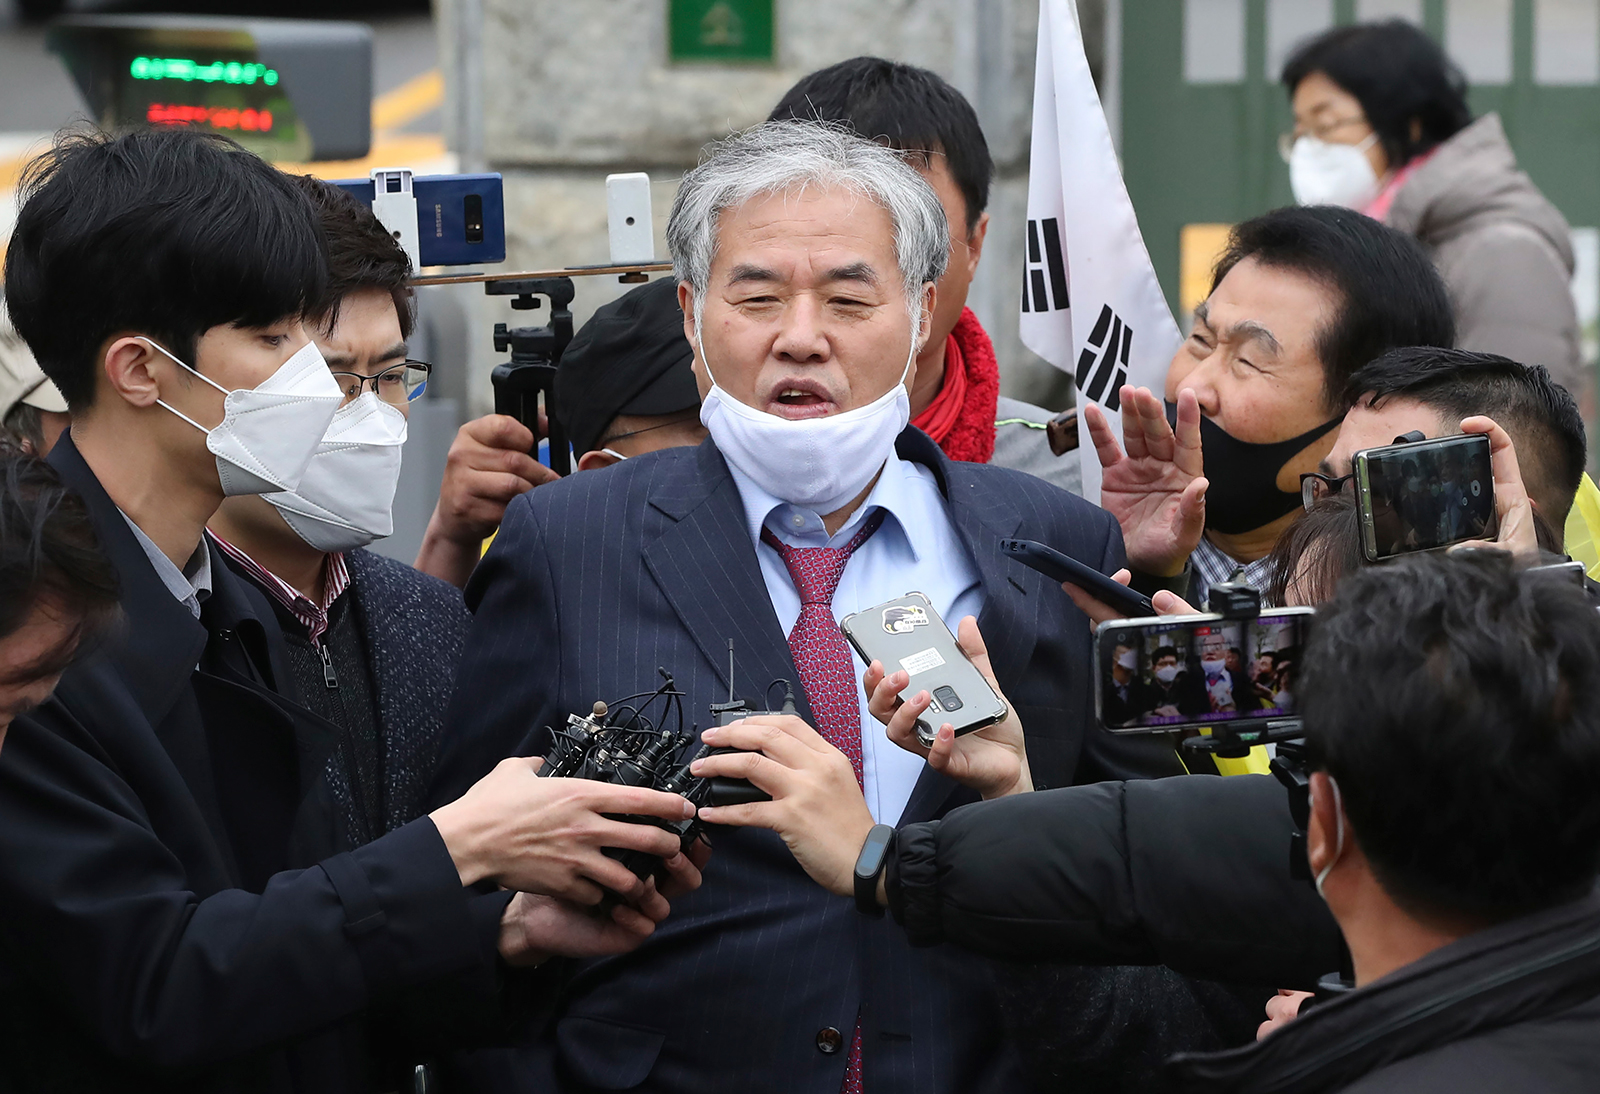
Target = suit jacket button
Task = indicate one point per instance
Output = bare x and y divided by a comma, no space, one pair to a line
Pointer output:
829,1040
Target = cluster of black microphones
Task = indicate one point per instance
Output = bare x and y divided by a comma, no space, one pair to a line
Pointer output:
630,743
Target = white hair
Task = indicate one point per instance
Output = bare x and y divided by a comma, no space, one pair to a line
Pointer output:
788,157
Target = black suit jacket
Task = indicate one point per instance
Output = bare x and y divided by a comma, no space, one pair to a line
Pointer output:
157,934
594,582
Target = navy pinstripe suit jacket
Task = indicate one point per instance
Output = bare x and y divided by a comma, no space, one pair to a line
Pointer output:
595,581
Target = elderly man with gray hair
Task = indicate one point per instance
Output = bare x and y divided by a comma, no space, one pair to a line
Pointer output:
806,259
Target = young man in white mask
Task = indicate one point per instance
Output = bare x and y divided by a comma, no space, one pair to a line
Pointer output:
178,910
806,259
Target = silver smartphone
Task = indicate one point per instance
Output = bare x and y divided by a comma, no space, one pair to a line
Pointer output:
906,633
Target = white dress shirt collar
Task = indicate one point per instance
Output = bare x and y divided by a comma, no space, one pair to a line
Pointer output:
800,527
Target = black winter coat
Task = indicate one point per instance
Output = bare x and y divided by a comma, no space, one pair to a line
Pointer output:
1193,873
170,921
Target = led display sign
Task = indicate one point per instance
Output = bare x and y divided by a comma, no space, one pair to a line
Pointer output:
289,90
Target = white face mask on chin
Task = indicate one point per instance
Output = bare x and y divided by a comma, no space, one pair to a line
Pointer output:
345,499
269,432
820,464
1323,173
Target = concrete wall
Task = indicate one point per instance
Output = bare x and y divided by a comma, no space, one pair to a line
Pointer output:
573,92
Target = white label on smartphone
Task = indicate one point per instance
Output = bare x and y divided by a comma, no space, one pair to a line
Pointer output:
921,662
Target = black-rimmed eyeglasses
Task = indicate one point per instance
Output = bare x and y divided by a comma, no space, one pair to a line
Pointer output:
1314,486
397,385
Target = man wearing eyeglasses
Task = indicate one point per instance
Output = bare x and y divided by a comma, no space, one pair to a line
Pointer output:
371,644
1431,390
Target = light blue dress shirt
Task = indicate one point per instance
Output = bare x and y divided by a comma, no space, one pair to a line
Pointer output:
916,550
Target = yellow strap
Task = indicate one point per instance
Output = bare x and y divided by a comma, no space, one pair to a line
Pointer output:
1256,763
1583,527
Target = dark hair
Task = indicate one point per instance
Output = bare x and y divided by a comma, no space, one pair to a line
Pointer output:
1539,414
1316,551
1398,74
166,232
23,426
1164,651
905,107
362,254
1390,293
49,551
1453,698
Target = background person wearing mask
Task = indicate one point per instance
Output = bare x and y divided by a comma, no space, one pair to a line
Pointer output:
807,259
626,384
1301,298
1382,126
371,644
169,919
32,411
956,397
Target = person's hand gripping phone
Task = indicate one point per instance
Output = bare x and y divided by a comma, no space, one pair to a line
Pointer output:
817,807
993,760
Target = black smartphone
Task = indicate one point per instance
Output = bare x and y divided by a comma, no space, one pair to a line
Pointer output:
1424,495
906,633
1189,671
1059,567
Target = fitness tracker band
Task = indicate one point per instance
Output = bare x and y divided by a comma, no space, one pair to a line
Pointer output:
869,868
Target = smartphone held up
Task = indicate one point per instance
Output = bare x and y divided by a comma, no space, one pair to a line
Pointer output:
1424,495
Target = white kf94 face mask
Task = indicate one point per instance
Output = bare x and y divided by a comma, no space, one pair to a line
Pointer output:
345,499
1324,173
819,464
269,432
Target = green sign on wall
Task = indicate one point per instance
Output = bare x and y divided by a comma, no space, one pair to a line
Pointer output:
737,31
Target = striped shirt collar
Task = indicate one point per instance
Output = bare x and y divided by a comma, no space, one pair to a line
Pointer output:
1213,566
311,615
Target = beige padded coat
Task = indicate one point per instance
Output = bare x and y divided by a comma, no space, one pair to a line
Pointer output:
1503,250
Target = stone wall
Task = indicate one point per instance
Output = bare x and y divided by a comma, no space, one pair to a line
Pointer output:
573,92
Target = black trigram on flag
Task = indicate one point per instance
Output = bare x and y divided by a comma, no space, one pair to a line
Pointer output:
1110,350
1033,278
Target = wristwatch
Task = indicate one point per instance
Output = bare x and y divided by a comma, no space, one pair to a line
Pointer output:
870,865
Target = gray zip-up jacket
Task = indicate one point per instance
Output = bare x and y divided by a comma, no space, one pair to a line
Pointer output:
1504,251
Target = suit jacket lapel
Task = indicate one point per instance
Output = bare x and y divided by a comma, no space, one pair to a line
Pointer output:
706,567
1009,621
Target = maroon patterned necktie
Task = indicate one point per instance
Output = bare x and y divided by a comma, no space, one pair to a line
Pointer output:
827,673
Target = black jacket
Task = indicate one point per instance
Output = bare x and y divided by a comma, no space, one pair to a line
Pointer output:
1191,873
1509,1010
171,922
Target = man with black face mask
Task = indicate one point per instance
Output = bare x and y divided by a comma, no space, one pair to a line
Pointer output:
1209,478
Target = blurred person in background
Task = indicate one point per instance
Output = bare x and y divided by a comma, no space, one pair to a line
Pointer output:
625,386
956,397
32,411
58,591
1301,299
371,644
1382,126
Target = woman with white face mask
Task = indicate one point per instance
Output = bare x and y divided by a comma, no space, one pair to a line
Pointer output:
1382,126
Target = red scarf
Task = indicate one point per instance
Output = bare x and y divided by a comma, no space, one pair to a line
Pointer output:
961,417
